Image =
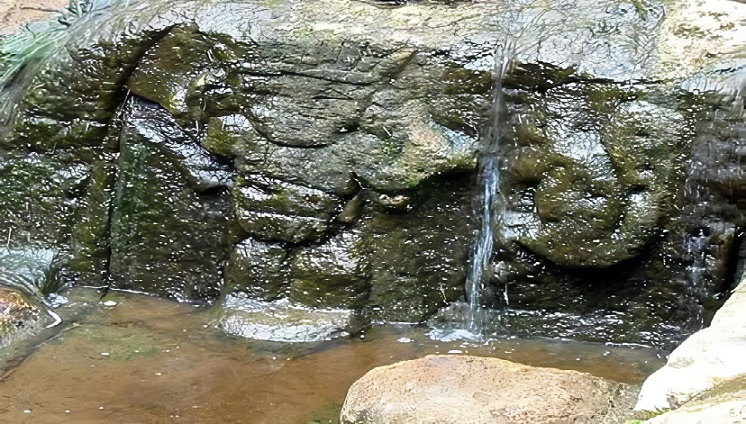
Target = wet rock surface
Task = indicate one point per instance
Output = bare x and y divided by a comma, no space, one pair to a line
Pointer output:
168,225
19,316
440,388
703,361
281,321
277,151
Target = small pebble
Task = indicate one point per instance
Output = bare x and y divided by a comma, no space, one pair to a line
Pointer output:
26,411
110,303
104,353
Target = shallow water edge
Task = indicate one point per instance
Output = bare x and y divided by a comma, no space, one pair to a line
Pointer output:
146,359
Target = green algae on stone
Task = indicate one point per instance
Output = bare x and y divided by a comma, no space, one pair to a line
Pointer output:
260,270
39,197
331,275
175,72
270,209
598,177
411,274
90,235
166,237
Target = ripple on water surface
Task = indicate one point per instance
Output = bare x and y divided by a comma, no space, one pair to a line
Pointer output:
145,359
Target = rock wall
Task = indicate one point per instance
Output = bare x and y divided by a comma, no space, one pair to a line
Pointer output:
279,151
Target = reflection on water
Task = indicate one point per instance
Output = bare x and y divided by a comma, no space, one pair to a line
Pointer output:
145,359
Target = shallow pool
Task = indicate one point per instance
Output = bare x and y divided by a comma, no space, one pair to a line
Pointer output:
150,360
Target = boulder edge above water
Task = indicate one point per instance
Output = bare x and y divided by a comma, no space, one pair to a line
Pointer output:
447,388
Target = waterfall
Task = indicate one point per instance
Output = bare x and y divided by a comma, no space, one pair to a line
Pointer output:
489,203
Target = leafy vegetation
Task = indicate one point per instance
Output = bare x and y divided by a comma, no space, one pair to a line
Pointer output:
47,280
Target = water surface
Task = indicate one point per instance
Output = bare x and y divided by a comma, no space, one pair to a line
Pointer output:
151,360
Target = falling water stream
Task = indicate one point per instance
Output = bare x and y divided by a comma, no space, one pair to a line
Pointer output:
489,201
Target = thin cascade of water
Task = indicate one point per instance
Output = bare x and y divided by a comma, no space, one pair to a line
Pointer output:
489,203
696,247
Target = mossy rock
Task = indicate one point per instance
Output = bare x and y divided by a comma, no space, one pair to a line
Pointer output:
161,224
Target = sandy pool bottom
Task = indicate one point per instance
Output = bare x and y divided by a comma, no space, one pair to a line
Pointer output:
148,360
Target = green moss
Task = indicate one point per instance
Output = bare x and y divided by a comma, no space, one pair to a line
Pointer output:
48,135
269,209
539,77
304,32
35,198
261,270
329,276
412,274
219,140
177,70
90,239
725,389
605,98
642,416
161,225
458,80
690,31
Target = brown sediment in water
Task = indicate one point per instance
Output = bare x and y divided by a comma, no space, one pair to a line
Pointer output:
150,360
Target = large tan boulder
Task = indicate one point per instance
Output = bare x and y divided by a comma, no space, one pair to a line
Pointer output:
723,404
710,356
469,389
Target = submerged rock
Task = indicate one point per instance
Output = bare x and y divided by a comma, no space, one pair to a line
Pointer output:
442,388
282,321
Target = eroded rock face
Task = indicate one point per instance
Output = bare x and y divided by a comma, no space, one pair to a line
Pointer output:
278,151
592,177
442,388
